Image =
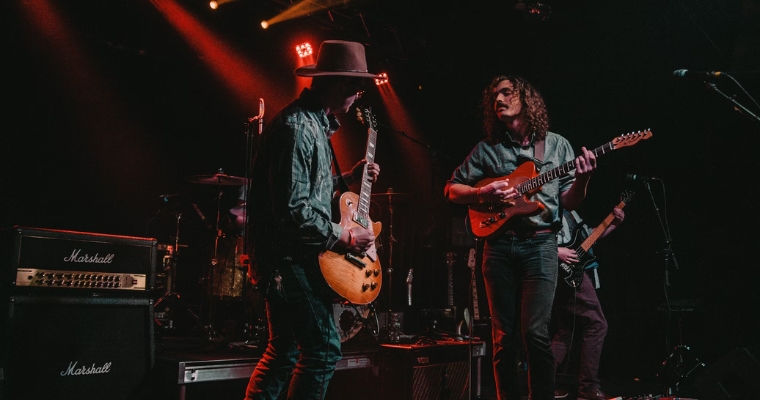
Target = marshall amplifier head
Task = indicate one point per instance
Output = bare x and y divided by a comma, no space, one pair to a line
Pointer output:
36,260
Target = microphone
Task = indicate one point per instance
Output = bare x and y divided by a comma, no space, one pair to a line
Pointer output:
639,178
685,74
261,115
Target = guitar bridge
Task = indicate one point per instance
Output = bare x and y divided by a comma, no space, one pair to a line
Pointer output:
353,259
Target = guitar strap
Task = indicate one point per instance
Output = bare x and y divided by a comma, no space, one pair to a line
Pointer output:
538,150
342,185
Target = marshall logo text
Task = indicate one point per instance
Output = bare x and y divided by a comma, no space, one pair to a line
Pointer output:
76,258
73,370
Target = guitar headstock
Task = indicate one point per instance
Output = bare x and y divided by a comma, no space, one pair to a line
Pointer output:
626,196
366,118
450,255
629,139
471,258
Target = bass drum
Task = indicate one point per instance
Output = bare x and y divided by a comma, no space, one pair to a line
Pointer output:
229,272
349,319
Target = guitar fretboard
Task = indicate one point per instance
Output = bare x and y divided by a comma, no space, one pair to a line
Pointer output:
564,169
471,263
554,173
362,216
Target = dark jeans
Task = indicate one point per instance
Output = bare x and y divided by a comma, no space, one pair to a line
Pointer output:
301,324
520,277
581,310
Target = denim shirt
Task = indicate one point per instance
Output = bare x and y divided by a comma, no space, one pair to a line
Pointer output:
293,183
488,160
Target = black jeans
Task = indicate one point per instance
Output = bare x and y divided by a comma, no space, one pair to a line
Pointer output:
520,277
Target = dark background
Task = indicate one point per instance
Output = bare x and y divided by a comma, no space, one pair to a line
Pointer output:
101,120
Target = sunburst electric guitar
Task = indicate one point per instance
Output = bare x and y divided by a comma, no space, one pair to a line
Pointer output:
573,273
357,277
487,219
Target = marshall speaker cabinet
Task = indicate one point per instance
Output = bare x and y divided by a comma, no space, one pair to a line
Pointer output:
77,315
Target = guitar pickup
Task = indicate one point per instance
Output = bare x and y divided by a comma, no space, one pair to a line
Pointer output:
355,260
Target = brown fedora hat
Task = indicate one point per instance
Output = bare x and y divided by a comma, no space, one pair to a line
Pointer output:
338,57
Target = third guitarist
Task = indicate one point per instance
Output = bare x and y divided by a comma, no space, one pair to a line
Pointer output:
577,313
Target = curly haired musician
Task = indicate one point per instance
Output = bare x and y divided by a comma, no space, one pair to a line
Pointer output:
520,260
292,223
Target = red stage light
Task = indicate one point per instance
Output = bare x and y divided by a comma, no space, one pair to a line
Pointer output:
304,50
383,79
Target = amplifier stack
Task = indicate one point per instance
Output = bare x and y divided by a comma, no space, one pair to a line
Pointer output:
77,314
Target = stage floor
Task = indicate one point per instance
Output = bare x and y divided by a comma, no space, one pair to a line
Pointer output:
194,368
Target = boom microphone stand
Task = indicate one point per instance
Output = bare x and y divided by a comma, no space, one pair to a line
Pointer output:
674,363
737,106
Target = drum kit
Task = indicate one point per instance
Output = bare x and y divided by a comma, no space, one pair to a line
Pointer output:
214,268
223,273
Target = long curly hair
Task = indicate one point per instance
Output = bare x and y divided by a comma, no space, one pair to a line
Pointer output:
534,109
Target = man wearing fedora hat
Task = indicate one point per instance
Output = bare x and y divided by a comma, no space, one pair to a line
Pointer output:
292,223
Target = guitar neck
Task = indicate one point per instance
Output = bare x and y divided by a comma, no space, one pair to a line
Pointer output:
599,230
365,193
562,170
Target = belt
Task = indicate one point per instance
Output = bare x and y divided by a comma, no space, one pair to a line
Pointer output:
527,234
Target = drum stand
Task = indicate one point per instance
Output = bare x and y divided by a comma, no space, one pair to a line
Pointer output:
391,239
210,281
170,268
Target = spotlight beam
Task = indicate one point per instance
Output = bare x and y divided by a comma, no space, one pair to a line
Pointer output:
305,7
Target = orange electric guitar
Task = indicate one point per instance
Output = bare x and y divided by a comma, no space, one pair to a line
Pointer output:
487,219
356,277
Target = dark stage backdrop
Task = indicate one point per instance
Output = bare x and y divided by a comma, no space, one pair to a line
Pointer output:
106,107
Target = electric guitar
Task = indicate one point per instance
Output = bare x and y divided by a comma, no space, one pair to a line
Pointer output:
465,323
573,273
471,265
356,277
487,219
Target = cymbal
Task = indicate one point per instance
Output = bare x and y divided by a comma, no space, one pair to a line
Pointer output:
217,179
390,194
391,197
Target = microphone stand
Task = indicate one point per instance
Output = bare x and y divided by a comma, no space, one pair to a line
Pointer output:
737,106
668,251
677,357
255,327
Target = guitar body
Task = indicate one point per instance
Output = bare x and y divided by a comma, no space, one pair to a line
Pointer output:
573,273
355,277
487,219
